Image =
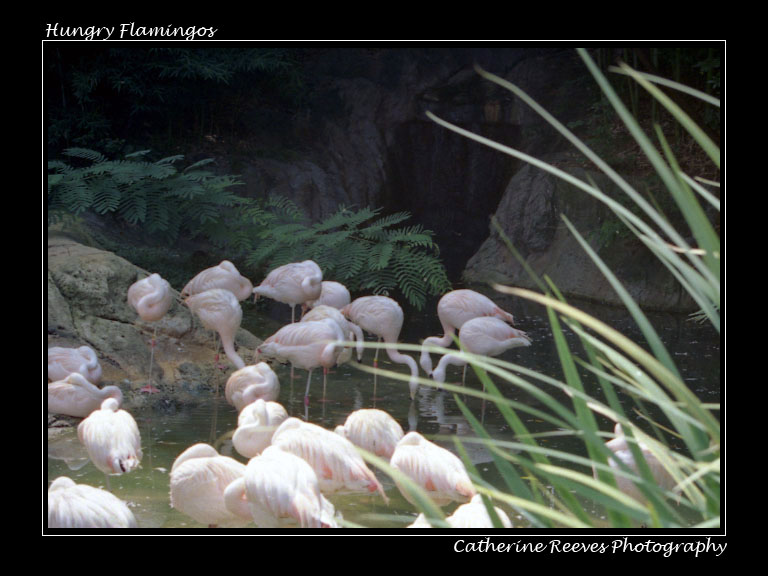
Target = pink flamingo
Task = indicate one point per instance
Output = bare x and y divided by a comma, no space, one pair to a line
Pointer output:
473,514
72,505
255,426
372,430
250,383
151,298
219,310
382,316
486,336
225,276
621,451
453,309
112,439
292,284
306,345
76,396
335,459
280,488
438,471
83,360
332,294
350,330
198,478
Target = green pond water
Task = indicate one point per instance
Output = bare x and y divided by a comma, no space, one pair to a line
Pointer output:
434,413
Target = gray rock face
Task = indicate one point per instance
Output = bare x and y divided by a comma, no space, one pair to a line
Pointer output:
87,305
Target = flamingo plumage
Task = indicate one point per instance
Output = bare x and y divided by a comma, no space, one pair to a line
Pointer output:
372,430
250,383
486,336
112,438
255,426
225,275
64,361
383,316
198,479
292,284
279,489
72,505
305,345
454,309
438,471
76,396
219,310
335,459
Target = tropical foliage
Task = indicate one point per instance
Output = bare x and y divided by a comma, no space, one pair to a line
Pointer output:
368,251
613,379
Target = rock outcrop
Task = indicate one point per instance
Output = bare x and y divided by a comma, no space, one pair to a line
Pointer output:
87,305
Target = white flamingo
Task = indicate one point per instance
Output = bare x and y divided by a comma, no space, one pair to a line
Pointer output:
76,396
250,383
64,361
439,472
278,489
372,430
198,479
72,505
255,426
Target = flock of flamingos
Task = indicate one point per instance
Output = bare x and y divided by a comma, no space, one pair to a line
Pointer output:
293,464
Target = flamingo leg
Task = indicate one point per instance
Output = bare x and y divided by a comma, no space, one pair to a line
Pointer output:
306,394
149,388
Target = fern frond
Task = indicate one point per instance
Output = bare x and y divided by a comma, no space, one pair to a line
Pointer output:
84,154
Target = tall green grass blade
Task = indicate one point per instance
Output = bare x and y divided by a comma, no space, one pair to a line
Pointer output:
706,143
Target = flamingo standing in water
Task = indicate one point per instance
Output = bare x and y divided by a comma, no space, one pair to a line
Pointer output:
219,310
438,471
280,488
486,336
251,383
372,430
453,309
198,479
292,284
64,361
151,298
225,276
332,294
255,426
621,451
76,396
335,459
350,330
112,439
306,345
72,505
382,316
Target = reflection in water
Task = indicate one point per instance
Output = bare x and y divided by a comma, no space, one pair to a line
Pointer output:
433,413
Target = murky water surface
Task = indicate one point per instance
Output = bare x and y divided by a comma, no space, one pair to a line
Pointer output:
695,348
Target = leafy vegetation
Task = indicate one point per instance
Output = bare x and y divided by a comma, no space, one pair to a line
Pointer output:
367,251
613,379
